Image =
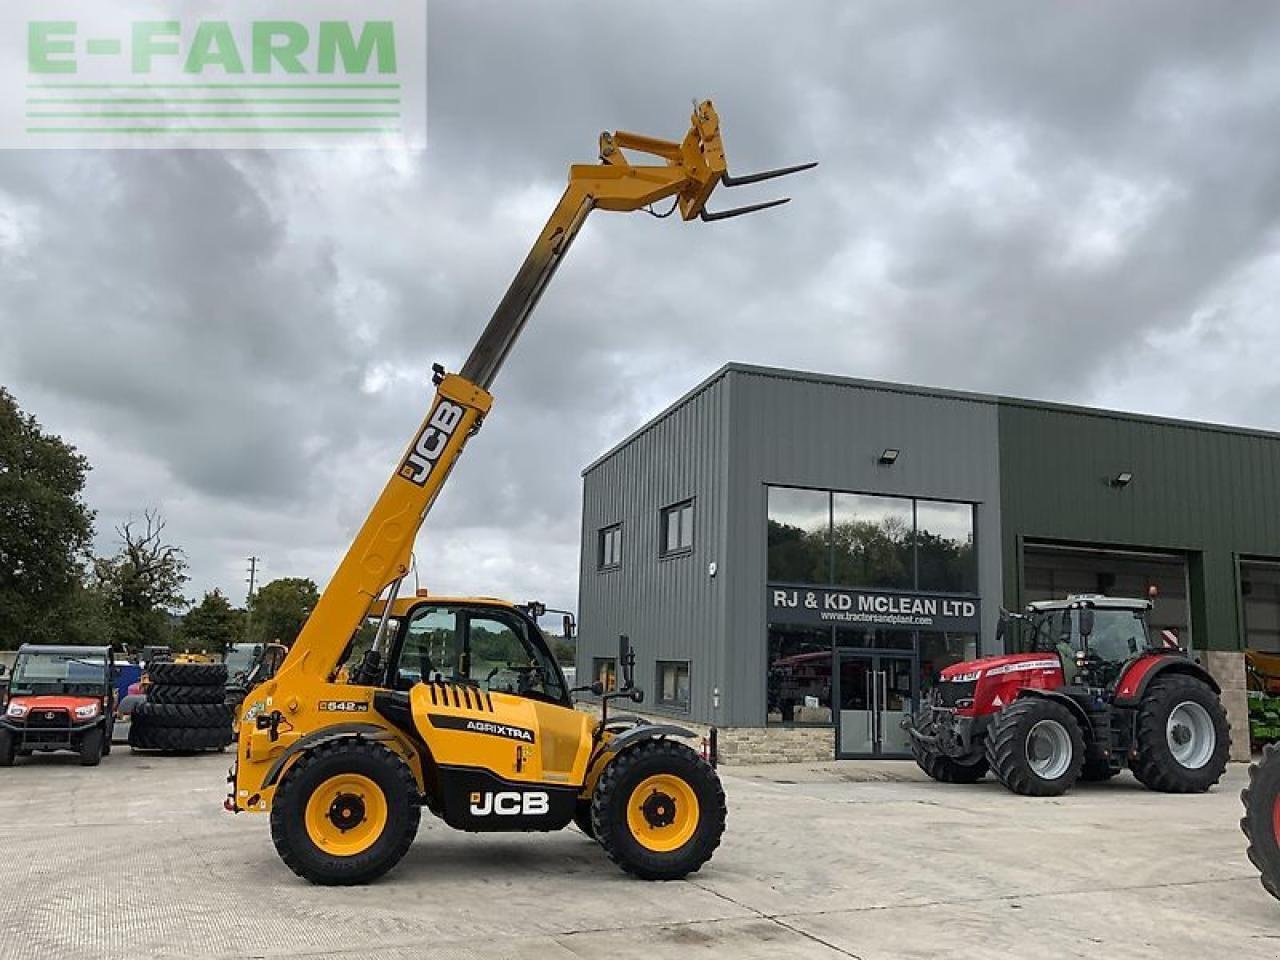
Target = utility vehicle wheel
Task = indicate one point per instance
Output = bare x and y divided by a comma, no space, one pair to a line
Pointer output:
658,810
1261,821
1184,739
1097,770
582,818
345,813
7,750
91,748
946,769
1035,747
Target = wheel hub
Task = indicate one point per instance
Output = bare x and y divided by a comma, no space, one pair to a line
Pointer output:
659,810
1190,735
346,811
1180,734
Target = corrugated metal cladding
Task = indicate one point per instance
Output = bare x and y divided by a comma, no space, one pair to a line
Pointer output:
743,429
670,608
1209,493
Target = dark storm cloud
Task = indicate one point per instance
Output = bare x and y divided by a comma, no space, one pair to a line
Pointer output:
1062,201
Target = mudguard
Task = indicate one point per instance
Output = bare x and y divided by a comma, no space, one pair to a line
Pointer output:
340,731
1138,676
646,731
1077,711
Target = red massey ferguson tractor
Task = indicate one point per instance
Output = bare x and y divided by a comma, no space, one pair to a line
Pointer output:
1088,693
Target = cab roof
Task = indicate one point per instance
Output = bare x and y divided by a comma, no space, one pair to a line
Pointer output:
63,651
404,604
1095,600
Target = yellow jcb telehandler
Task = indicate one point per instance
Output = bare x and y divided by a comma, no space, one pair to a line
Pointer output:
458,705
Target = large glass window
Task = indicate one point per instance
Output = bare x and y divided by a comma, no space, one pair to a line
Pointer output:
945,558
431,648
799,674
610,553
939,651
871,541
799,535
502,660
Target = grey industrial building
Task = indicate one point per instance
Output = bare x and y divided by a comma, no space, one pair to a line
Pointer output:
795,556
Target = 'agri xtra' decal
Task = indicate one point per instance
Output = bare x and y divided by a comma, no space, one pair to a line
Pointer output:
426,450
486,727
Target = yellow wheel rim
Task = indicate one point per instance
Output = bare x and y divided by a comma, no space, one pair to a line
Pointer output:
662,813
346,814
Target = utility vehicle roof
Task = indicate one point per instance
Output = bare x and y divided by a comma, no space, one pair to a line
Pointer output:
63,651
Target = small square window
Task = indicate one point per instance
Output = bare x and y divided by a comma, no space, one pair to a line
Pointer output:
610,549
605,670
677,529
673,684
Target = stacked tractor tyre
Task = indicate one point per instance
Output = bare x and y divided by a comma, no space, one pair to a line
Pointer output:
185,711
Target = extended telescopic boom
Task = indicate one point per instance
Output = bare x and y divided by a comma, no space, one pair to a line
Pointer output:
379,556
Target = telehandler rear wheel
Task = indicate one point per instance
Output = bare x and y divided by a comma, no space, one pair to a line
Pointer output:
658,810
345,813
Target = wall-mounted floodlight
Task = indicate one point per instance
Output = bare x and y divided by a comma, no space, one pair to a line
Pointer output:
889,457
1122,479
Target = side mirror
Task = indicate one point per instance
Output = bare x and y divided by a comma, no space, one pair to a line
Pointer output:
1086,622
570,628
626,663
1001,630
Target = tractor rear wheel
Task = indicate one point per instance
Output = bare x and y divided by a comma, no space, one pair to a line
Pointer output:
1035,747
658,810
1183,739
345,813
1261,821
946,769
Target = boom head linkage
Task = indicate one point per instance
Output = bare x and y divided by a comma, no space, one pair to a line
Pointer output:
700,158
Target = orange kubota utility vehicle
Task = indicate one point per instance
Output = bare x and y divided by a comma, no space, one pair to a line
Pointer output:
458,705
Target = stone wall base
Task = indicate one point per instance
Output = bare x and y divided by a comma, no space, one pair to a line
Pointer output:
1227,667
747,745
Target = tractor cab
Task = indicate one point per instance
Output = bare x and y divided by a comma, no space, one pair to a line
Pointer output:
1093,637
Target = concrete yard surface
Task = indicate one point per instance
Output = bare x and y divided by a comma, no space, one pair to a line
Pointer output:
137,859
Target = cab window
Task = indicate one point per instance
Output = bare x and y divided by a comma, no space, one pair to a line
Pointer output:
431,648
503,659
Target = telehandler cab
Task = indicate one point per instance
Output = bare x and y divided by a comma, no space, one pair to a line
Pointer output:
458,705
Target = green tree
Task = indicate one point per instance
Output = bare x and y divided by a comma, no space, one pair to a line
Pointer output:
211,625
45,527
142,583
278,611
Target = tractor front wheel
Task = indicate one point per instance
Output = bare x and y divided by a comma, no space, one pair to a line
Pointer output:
345,813
947,769
1261,821
658,810
1184,740
1035,747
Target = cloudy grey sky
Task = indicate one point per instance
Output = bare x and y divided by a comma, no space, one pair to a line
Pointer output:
1063,201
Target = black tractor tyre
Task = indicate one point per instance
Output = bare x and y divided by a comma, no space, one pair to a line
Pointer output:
1261,820
7,749
947,769
1097,770
188,674
1008,747
582,819
91,748
183,714
1155,766
372,761
613,793
185,693
147,736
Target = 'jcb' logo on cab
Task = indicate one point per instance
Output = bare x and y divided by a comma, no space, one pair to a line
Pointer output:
426,450
510,803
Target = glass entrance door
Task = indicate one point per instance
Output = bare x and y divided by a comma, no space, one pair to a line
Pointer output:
876,690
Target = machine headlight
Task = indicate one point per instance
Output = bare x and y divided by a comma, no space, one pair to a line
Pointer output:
17,710
966,677
88,711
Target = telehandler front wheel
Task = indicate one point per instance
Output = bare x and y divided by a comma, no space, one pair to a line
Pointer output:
345,813
658,810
